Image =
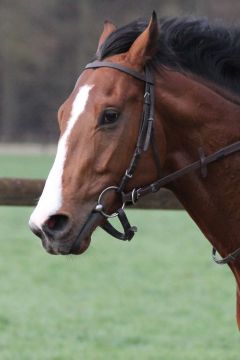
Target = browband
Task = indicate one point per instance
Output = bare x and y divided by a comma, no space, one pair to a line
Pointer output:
143,77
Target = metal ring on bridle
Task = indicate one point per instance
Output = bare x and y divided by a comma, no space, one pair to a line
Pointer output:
100,206
134,200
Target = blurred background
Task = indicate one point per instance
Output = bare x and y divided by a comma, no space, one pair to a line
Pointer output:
45,44
159,296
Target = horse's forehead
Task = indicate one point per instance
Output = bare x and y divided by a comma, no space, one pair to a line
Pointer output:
107,86
105,80
74,107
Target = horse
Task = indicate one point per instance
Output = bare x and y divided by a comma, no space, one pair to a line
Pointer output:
157,107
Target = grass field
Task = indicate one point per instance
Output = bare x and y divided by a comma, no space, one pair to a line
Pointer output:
159,297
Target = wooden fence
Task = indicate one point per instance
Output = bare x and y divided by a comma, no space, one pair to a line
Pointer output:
25,192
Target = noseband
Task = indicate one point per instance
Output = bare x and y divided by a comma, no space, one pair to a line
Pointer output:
145,138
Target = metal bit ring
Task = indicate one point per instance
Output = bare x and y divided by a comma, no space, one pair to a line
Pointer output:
99,206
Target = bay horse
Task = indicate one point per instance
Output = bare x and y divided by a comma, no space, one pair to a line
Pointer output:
159,105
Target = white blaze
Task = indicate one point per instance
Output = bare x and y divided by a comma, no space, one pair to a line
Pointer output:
51,198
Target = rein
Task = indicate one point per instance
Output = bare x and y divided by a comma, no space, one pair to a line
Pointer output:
145,138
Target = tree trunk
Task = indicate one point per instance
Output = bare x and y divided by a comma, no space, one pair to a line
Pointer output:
9,98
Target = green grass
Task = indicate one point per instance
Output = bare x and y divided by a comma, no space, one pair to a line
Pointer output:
157,297
27,166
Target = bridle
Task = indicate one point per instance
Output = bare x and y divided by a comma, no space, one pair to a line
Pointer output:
145,138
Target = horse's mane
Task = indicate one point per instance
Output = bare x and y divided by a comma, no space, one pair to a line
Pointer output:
211,51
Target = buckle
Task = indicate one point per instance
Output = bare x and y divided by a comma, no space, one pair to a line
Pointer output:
147,98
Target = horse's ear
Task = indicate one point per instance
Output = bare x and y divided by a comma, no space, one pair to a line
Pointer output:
145,46
108,28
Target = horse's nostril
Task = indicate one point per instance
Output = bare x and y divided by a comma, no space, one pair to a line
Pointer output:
56,224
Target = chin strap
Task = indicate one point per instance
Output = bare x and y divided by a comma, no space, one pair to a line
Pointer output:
129,230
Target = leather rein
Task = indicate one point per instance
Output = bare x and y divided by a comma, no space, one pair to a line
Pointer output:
145,138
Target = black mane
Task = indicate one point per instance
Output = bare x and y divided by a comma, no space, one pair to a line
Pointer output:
211,51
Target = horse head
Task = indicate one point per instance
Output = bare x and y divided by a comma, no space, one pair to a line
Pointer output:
99,125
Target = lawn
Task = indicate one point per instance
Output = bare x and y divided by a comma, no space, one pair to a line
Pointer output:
157,297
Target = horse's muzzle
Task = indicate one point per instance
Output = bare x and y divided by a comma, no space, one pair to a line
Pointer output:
60,236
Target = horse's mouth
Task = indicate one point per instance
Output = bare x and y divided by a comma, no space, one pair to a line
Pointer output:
66,249
77,244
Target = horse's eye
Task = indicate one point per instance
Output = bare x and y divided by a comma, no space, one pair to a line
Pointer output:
109,116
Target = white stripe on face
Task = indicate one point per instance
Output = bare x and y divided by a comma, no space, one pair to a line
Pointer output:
51,199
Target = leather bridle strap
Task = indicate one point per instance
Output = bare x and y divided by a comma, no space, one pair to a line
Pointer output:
128,230
229,258
134,195
145,131
204,161
143,141
126,70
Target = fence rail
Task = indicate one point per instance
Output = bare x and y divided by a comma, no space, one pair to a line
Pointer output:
25,192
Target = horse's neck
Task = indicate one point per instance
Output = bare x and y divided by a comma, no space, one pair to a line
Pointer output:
195,116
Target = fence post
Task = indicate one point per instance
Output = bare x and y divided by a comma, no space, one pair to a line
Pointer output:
25,192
